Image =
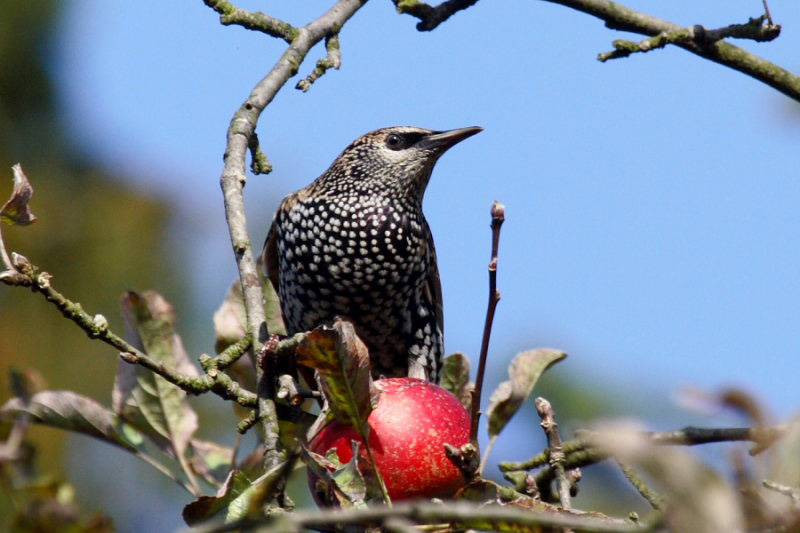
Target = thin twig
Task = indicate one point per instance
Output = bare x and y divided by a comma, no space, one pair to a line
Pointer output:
4,254
256,21
792,492
290,391
582,452
767,13
498,213
655,501
259,163
431,16
622,18
557,457
581,449
754,30
96,327
333,59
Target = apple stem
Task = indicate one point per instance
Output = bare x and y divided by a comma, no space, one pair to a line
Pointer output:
498,216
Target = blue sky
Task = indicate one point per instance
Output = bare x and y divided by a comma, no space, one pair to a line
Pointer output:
652,202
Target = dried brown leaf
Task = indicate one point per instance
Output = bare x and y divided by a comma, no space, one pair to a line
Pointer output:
524,372
455,378
15,211
342,360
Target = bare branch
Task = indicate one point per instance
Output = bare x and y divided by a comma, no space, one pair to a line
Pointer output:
256,21
755,30
655,501
767,13
793,493
460,514
239,140
622,18
96,327
333,59
259,164
582,452
431,16
498,213
557,457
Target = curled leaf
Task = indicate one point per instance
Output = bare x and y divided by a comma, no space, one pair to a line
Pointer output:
205,507
350,481
73,412
15,211
455,378
335,483
141,397
524,372
342,360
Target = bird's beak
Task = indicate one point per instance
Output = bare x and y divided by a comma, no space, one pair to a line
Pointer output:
445,139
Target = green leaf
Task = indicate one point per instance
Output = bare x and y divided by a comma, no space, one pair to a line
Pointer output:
262,490
142,397
335,483
455,378
238,497
73,412
342,360
15,211
350,481
211,460
206,507
524,372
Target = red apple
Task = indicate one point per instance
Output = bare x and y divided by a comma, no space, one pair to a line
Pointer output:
412,422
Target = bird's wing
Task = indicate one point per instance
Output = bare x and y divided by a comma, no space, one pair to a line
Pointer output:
268,267
433,286
269,255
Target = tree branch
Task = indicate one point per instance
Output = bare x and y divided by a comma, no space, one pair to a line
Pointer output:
653,498
96,327
431,16
754,29
256,21
333,59
791,492
498,213
239,140
582,452
557,457
622,18
461,515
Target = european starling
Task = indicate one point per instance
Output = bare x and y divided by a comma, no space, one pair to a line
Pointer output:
355,244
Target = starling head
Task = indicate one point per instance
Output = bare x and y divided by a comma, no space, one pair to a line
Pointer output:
395,161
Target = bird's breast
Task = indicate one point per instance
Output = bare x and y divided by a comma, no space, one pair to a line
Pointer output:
353,246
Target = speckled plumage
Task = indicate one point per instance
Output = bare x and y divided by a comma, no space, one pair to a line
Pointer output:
355,244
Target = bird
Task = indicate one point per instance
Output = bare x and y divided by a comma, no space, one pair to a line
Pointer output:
354,244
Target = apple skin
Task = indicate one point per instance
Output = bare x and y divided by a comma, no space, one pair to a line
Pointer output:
412,422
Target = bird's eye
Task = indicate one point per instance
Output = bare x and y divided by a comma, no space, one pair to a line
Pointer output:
394,142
